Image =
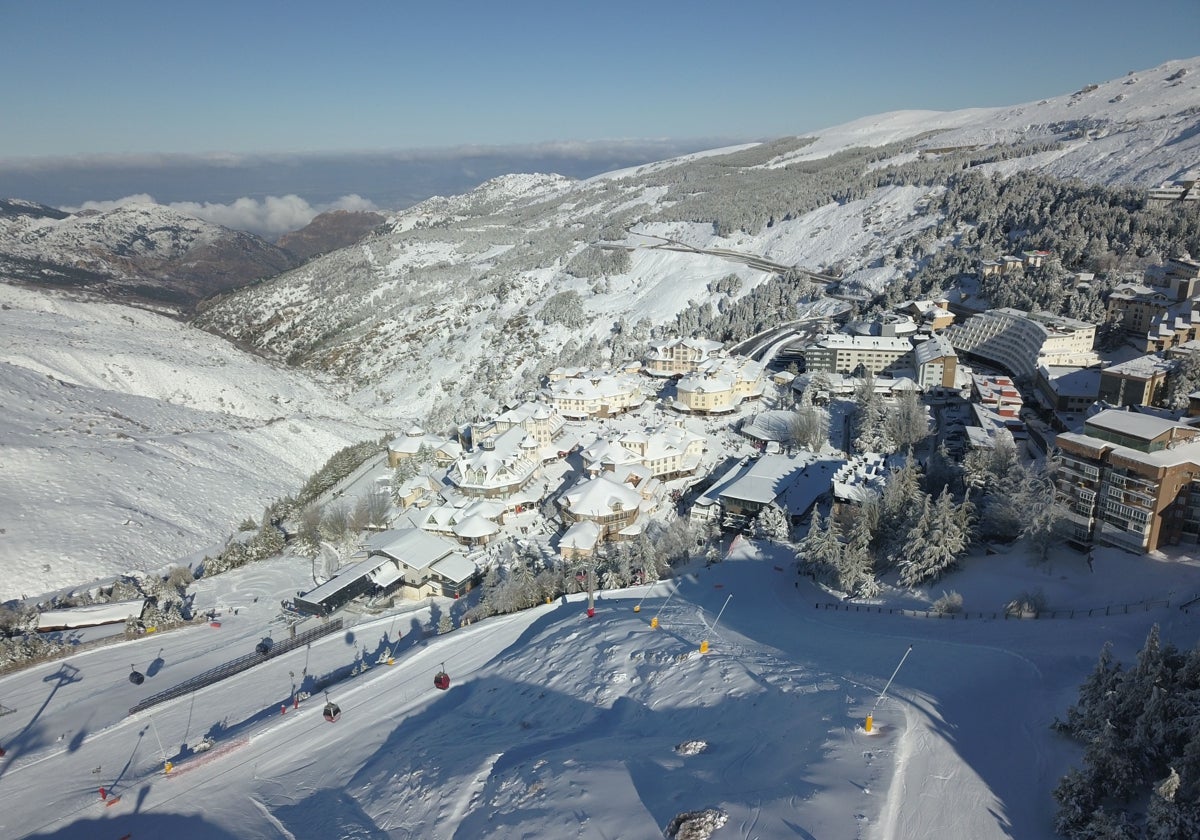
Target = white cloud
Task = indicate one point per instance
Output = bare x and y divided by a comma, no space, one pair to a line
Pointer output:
269,217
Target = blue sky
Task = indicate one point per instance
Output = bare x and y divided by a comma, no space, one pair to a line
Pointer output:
118,77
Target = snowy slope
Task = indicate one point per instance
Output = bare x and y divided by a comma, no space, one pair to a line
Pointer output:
557,726
131,440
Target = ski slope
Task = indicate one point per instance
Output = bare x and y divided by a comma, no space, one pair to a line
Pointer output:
560,726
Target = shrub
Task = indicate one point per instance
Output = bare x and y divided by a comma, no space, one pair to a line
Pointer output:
1027,603
950,603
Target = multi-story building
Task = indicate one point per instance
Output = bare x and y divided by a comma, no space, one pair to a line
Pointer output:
998,394
932,314
593,394
1140,381
1068,389
611,505
538,420
719,386
929,359
1131,480
667,453
498,467
1173,328
1021,341
680,355
860,481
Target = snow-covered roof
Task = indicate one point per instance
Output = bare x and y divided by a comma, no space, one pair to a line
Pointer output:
583,534
600,496
414,547
455,567
347,577
770,425
1132,424
90,615
474,527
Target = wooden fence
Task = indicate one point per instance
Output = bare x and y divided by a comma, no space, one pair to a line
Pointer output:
1112,609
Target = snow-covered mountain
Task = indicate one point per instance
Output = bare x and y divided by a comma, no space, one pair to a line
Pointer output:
467,299
132,440
136,252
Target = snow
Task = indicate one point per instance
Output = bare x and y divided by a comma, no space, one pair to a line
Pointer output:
137,441
560,726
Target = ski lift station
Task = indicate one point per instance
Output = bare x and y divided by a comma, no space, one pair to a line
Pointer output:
410,562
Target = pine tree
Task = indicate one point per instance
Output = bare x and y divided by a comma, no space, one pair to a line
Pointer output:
405,470
820,551
445,624
772,524
898,511
908,422
856,572
934,544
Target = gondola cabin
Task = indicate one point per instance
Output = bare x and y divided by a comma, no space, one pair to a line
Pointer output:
332,712
137,677
442,680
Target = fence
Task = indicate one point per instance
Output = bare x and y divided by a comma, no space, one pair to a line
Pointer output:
236,666
1112,609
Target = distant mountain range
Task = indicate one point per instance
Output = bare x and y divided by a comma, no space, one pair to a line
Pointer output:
150,254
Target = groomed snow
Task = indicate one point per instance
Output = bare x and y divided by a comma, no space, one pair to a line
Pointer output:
560,726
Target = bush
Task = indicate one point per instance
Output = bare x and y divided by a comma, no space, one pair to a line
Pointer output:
949,604
1027,604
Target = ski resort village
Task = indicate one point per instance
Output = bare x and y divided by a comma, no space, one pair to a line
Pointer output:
843,486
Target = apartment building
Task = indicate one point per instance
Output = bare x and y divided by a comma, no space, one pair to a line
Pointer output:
591,394
1131,480
931,360
680,355
1021,341
1140,381
719,386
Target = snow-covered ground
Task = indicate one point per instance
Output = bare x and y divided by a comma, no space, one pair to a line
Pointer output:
560,726
131,440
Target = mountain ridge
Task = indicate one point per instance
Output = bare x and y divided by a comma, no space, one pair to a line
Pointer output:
458,286
136,252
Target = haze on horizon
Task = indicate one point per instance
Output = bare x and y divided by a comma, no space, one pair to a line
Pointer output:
382,105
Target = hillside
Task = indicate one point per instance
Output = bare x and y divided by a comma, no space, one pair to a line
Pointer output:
464,301
132,440
139,253
328,232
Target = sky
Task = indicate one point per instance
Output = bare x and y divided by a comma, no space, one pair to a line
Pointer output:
125,77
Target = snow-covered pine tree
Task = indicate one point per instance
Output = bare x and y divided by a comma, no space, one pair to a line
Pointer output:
772,524
1183,380
405,471
907,423
820,551
856,568
871,432
934,544
899,507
